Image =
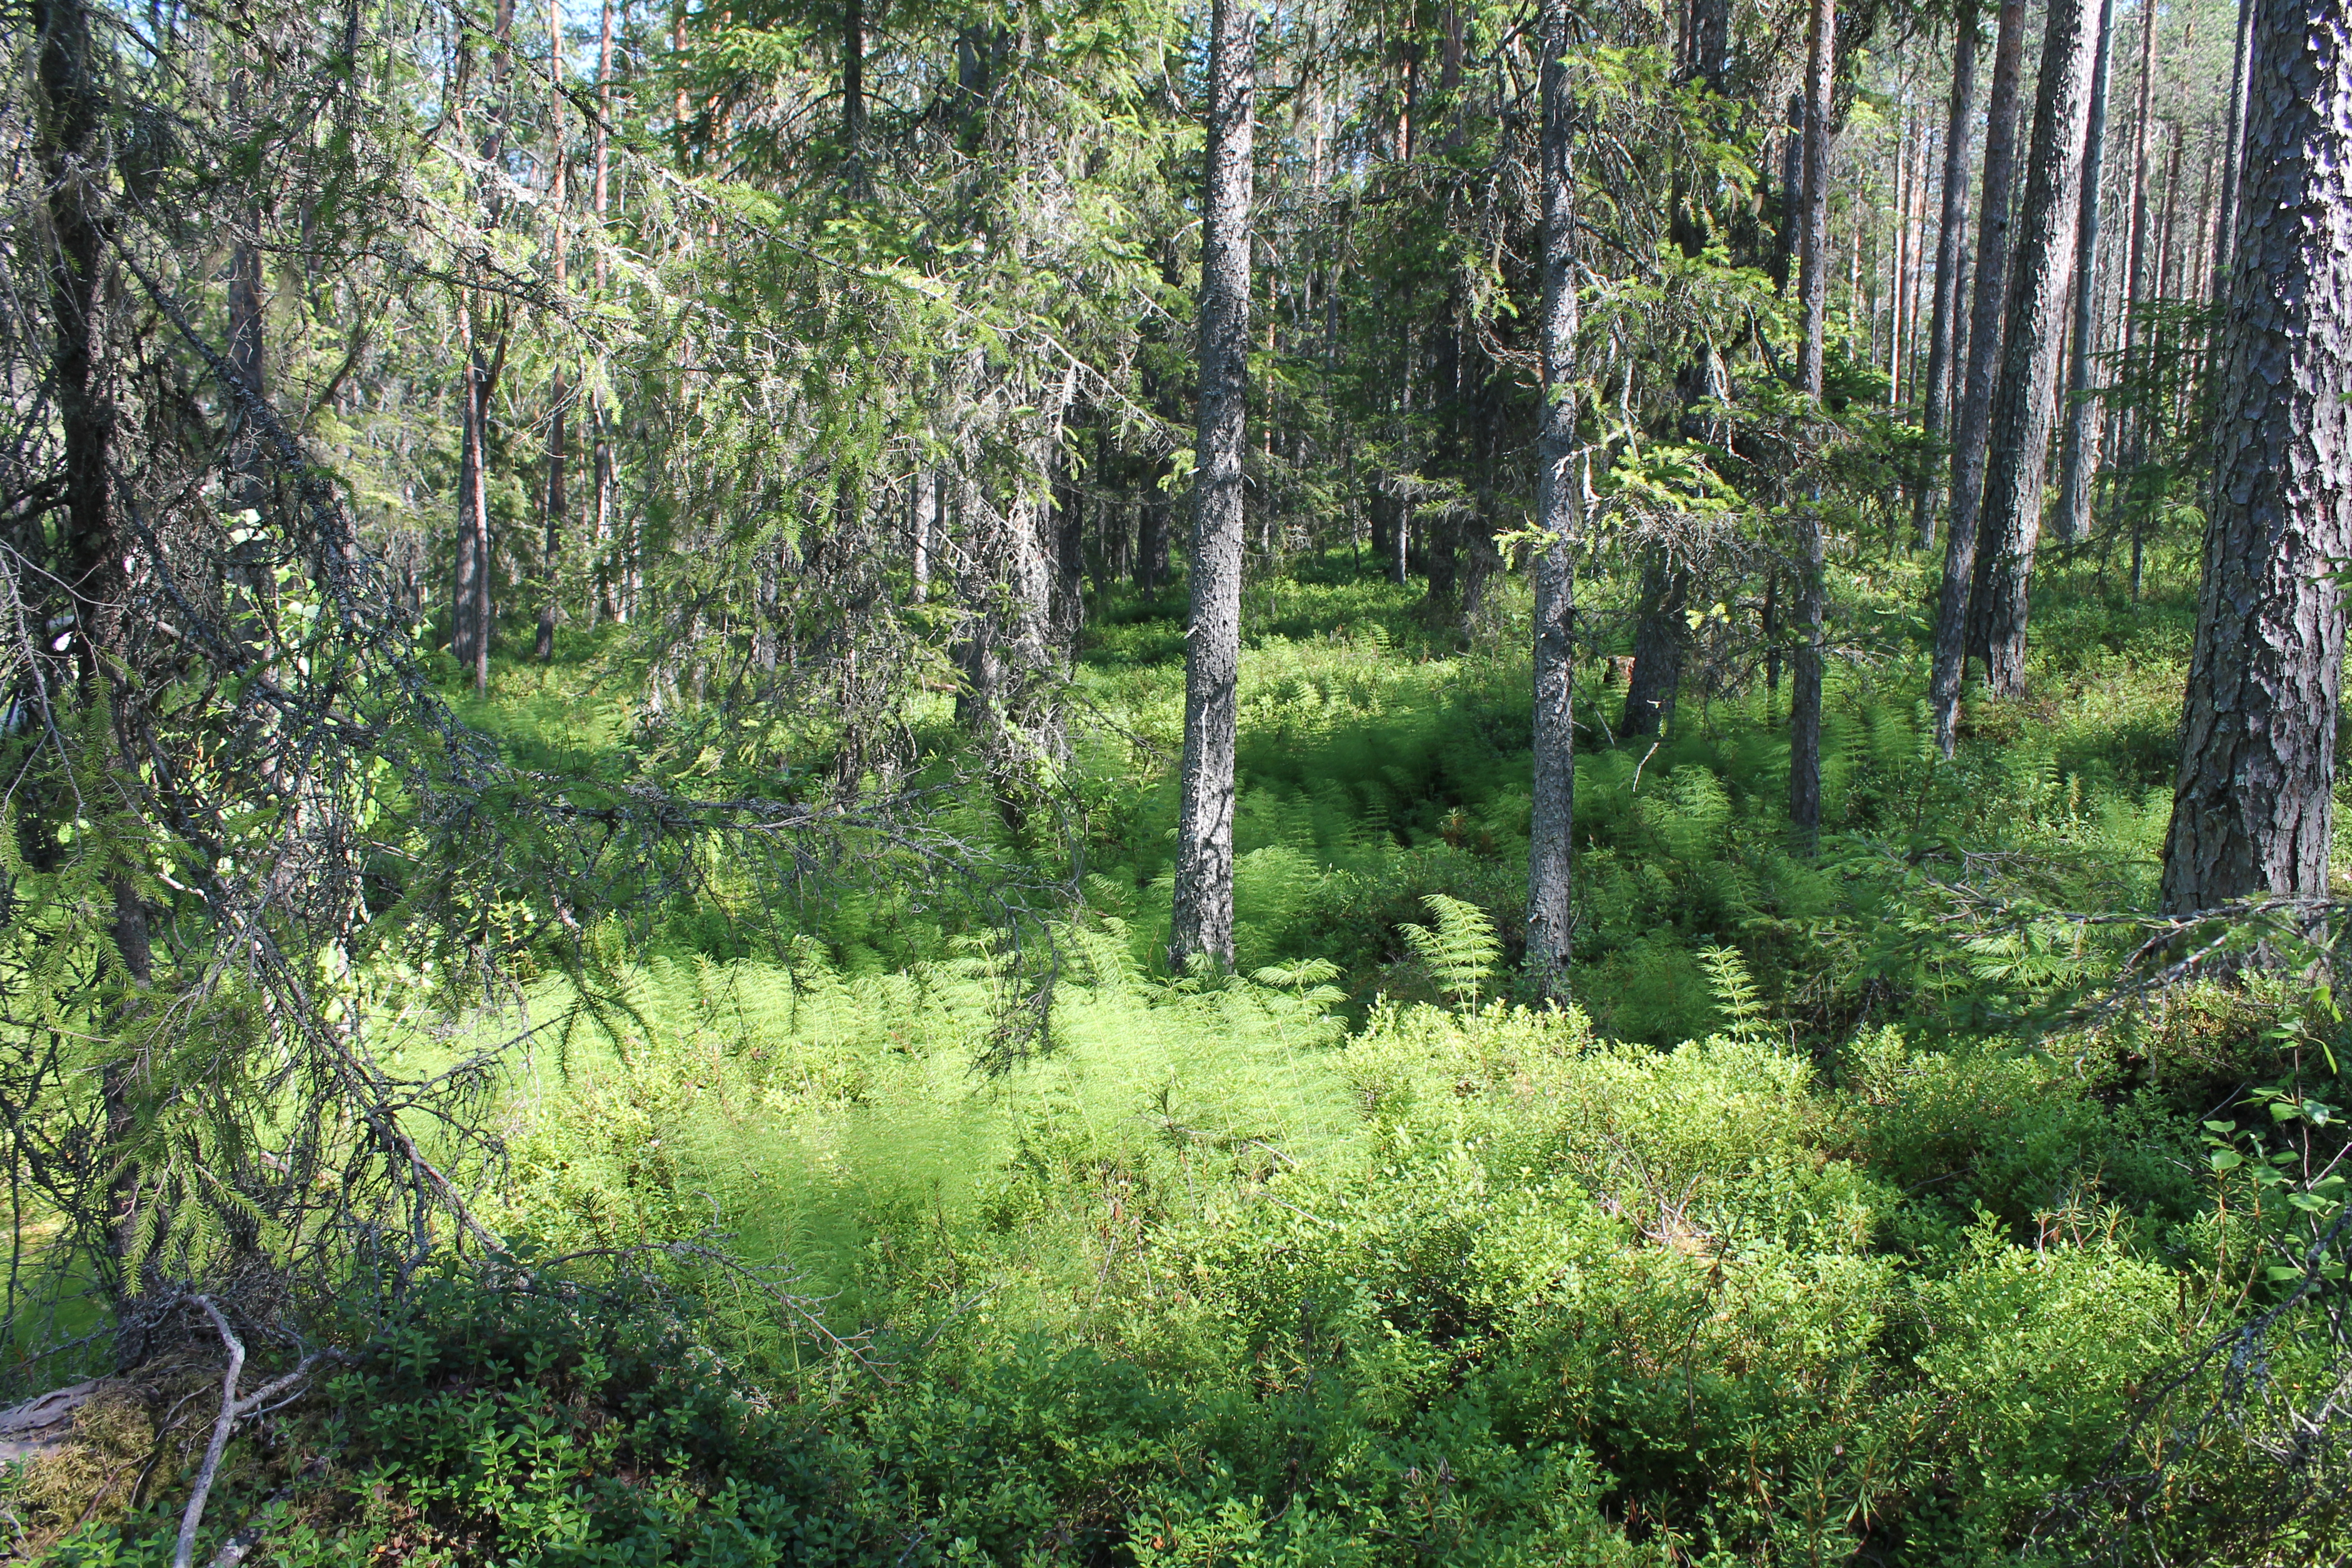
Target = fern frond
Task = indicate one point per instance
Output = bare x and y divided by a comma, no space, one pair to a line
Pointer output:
1735,992
1461,952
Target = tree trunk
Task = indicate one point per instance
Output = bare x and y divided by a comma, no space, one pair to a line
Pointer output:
603,460
1951,235
1813,202
2081,460
1559,498
1202,926
1813,294
923,520
2040,300
2253,808
1151,542
2130,450
559,393
1067,526
1984,356
465,628
71,121
852,87
1660,635
2225,226
1793,193
1710,43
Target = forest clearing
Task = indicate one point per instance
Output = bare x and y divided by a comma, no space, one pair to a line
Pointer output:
1279,782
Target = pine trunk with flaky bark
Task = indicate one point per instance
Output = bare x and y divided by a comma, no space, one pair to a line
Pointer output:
2041,296
1968,435
1202,927
2253,808
1558,500
2081,459
1952,236
1813,295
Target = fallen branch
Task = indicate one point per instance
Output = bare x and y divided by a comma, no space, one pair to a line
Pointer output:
232,1411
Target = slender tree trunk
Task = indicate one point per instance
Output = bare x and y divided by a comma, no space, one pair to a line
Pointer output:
2253,809
247,354
2081,460
1559,506
599,198
2131,451
1813,294
1658,648
1069,545
1951,236
1969,435
1202,926
71,123
2225,226
2039,300
924,499
464,630
1813,202
1895,278
471,612
1151,542
558,393
1792,193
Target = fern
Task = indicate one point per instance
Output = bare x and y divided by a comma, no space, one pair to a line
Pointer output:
1735,992
1309,980
1461,954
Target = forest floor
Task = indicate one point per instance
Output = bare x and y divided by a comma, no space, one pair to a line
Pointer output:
1810,1233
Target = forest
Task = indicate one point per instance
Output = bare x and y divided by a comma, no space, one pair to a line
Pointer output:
1195,785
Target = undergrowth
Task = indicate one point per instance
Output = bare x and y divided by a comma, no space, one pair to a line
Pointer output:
1804,1238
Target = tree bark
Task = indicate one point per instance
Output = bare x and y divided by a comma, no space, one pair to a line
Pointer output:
2136,281
1813,204
2081,459
1793,193
1659,638
2225,226
1203,925
604,602
559,392
1710,43
2252,810
1558,505
924,502
2040,300
1952,236
1984,356
1813,294
71,121
466,567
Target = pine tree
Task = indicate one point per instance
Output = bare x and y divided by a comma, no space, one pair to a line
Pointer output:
2253,807
1558,520
2035,340
1203,920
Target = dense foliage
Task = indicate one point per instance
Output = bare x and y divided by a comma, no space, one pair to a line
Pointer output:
595,710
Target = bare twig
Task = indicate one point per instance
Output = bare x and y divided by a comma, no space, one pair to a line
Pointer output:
232,1410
